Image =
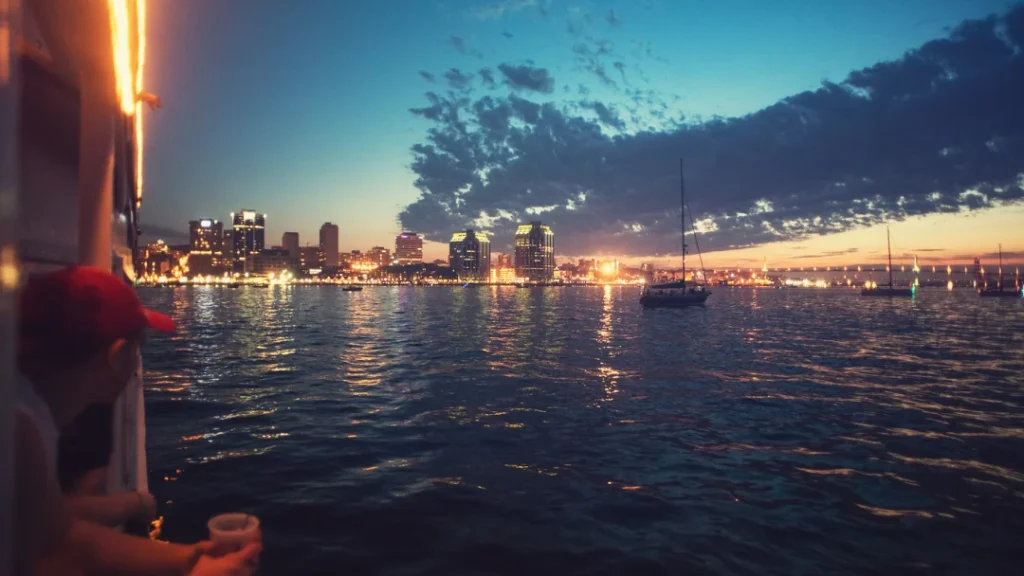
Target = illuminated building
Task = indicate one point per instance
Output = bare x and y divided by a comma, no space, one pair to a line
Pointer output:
329,245
206,246
247,230
535,252
409,248
290,242
469,255
503,275
380,256
274,262
501,260
309,258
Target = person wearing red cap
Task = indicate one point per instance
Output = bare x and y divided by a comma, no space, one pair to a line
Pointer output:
80,333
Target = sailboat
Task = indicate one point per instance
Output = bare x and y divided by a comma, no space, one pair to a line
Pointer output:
986,292
676,294
888,290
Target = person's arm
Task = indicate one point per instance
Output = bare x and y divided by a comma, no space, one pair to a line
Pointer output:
113,509
41,523
104,550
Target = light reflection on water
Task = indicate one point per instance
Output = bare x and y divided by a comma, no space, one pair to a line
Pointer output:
529,430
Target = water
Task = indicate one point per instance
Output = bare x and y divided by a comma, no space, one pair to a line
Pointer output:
526,431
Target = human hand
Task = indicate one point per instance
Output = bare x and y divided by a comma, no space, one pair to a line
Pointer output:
240,563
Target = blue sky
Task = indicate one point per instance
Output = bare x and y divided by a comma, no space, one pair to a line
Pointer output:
301,109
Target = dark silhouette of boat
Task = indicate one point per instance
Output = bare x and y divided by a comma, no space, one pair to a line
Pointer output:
352,288
998,292
889,290
677,294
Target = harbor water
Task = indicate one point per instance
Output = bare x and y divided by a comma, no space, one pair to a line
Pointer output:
507,430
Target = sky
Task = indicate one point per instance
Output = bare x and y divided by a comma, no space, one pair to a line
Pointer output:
805,126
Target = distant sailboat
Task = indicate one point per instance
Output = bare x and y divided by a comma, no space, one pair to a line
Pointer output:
986,292
676,294
888,290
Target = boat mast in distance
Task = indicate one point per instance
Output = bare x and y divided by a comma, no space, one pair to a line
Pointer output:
890,290
985,291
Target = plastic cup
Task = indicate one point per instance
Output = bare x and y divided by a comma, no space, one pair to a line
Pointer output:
231,532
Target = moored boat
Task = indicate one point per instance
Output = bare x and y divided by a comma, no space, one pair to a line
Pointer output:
677,294
889,290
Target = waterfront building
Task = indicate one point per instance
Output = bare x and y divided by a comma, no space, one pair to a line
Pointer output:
379,256
274,261
247,229
290,242
329,252
469,255
409,248
535,252
206,247
309,259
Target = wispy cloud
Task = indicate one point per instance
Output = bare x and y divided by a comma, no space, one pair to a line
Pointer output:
462,46
427,76
499,8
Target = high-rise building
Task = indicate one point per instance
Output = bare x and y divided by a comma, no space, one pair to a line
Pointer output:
309,258
469,255
329,245
379,256
247,228
290,242
500,260
535,252
206,247
409,248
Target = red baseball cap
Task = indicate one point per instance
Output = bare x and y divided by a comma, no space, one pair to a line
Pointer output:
79,310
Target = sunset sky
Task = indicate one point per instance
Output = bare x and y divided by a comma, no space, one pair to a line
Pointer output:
805,126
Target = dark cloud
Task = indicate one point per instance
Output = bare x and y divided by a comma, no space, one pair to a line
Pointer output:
487,76
939,130
606,114
507,34
426,76
527,77
611,18
462,47
153,232
458,80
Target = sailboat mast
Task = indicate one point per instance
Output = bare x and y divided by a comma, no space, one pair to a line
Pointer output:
888,246
1000,267
682,214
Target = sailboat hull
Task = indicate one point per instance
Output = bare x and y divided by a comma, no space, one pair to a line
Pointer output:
888,293
679,299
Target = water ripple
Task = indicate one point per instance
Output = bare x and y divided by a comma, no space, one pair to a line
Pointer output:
504,430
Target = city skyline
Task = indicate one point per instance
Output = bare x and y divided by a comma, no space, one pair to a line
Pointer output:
513,64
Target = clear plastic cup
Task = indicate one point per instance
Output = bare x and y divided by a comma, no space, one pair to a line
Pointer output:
231,532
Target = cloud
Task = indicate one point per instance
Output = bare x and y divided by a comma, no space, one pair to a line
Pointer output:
507,34
487,76
458,80
938,130
497,9
527,77
612,19
462,47
151,232
589,55
426,76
